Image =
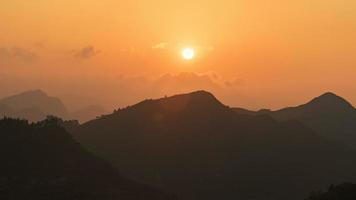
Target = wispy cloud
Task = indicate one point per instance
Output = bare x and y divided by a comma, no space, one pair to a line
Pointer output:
86,52
234,82
161,45
17,54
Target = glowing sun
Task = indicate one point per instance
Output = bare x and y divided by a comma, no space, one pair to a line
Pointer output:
188,53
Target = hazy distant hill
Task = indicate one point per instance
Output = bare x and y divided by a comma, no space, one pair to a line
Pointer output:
199,148
41,162
5,110
33,105
36,105
329,115
88,113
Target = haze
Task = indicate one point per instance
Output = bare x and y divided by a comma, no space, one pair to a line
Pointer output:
249,53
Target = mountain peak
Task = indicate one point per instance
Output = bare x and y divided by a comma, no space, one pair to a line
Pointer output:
35,100
194,103
331,101
202,94
197,98
37,92
29,96
199,93
329,95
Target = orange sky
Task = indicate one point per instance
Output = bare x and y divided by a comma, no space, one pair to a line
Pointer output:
250,53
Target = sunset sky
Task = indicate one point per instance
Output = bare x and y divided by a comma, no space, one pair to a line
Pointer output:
249,53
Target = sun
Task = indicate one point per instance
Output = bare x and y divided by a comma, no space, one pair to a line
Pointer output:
188,53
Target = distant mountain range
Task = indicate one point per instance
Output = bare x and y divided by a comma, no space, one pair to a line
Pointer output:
198,148
32,105
329,115
41,161
36,105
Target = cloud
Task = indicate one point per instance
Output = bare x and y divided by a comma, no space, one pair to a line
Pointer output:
86,53
161,45
234,82
185,82
213,75
17,54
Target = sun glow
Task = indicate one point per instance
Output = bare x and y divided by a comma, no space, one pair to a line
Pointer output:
188,53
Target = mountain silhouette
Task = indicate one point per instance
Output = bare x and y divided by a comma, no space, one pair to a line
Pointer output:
198,148
344,191
41,161
329,115
33,105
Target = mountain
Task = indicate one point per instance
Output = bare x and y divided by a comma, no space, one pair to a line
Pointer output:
36,105
88,113
196,147
5,110
41,161
33,105
329,115
344,191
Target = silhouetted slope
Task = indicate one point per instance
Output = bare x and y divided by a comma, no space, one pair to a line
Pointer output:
345,191
34,105
329,115
41,161
327,104
199,148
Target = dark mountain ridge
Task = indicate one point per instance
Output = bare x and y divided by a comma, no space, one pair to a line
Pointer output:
344,191
195,146
329,115
41,161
